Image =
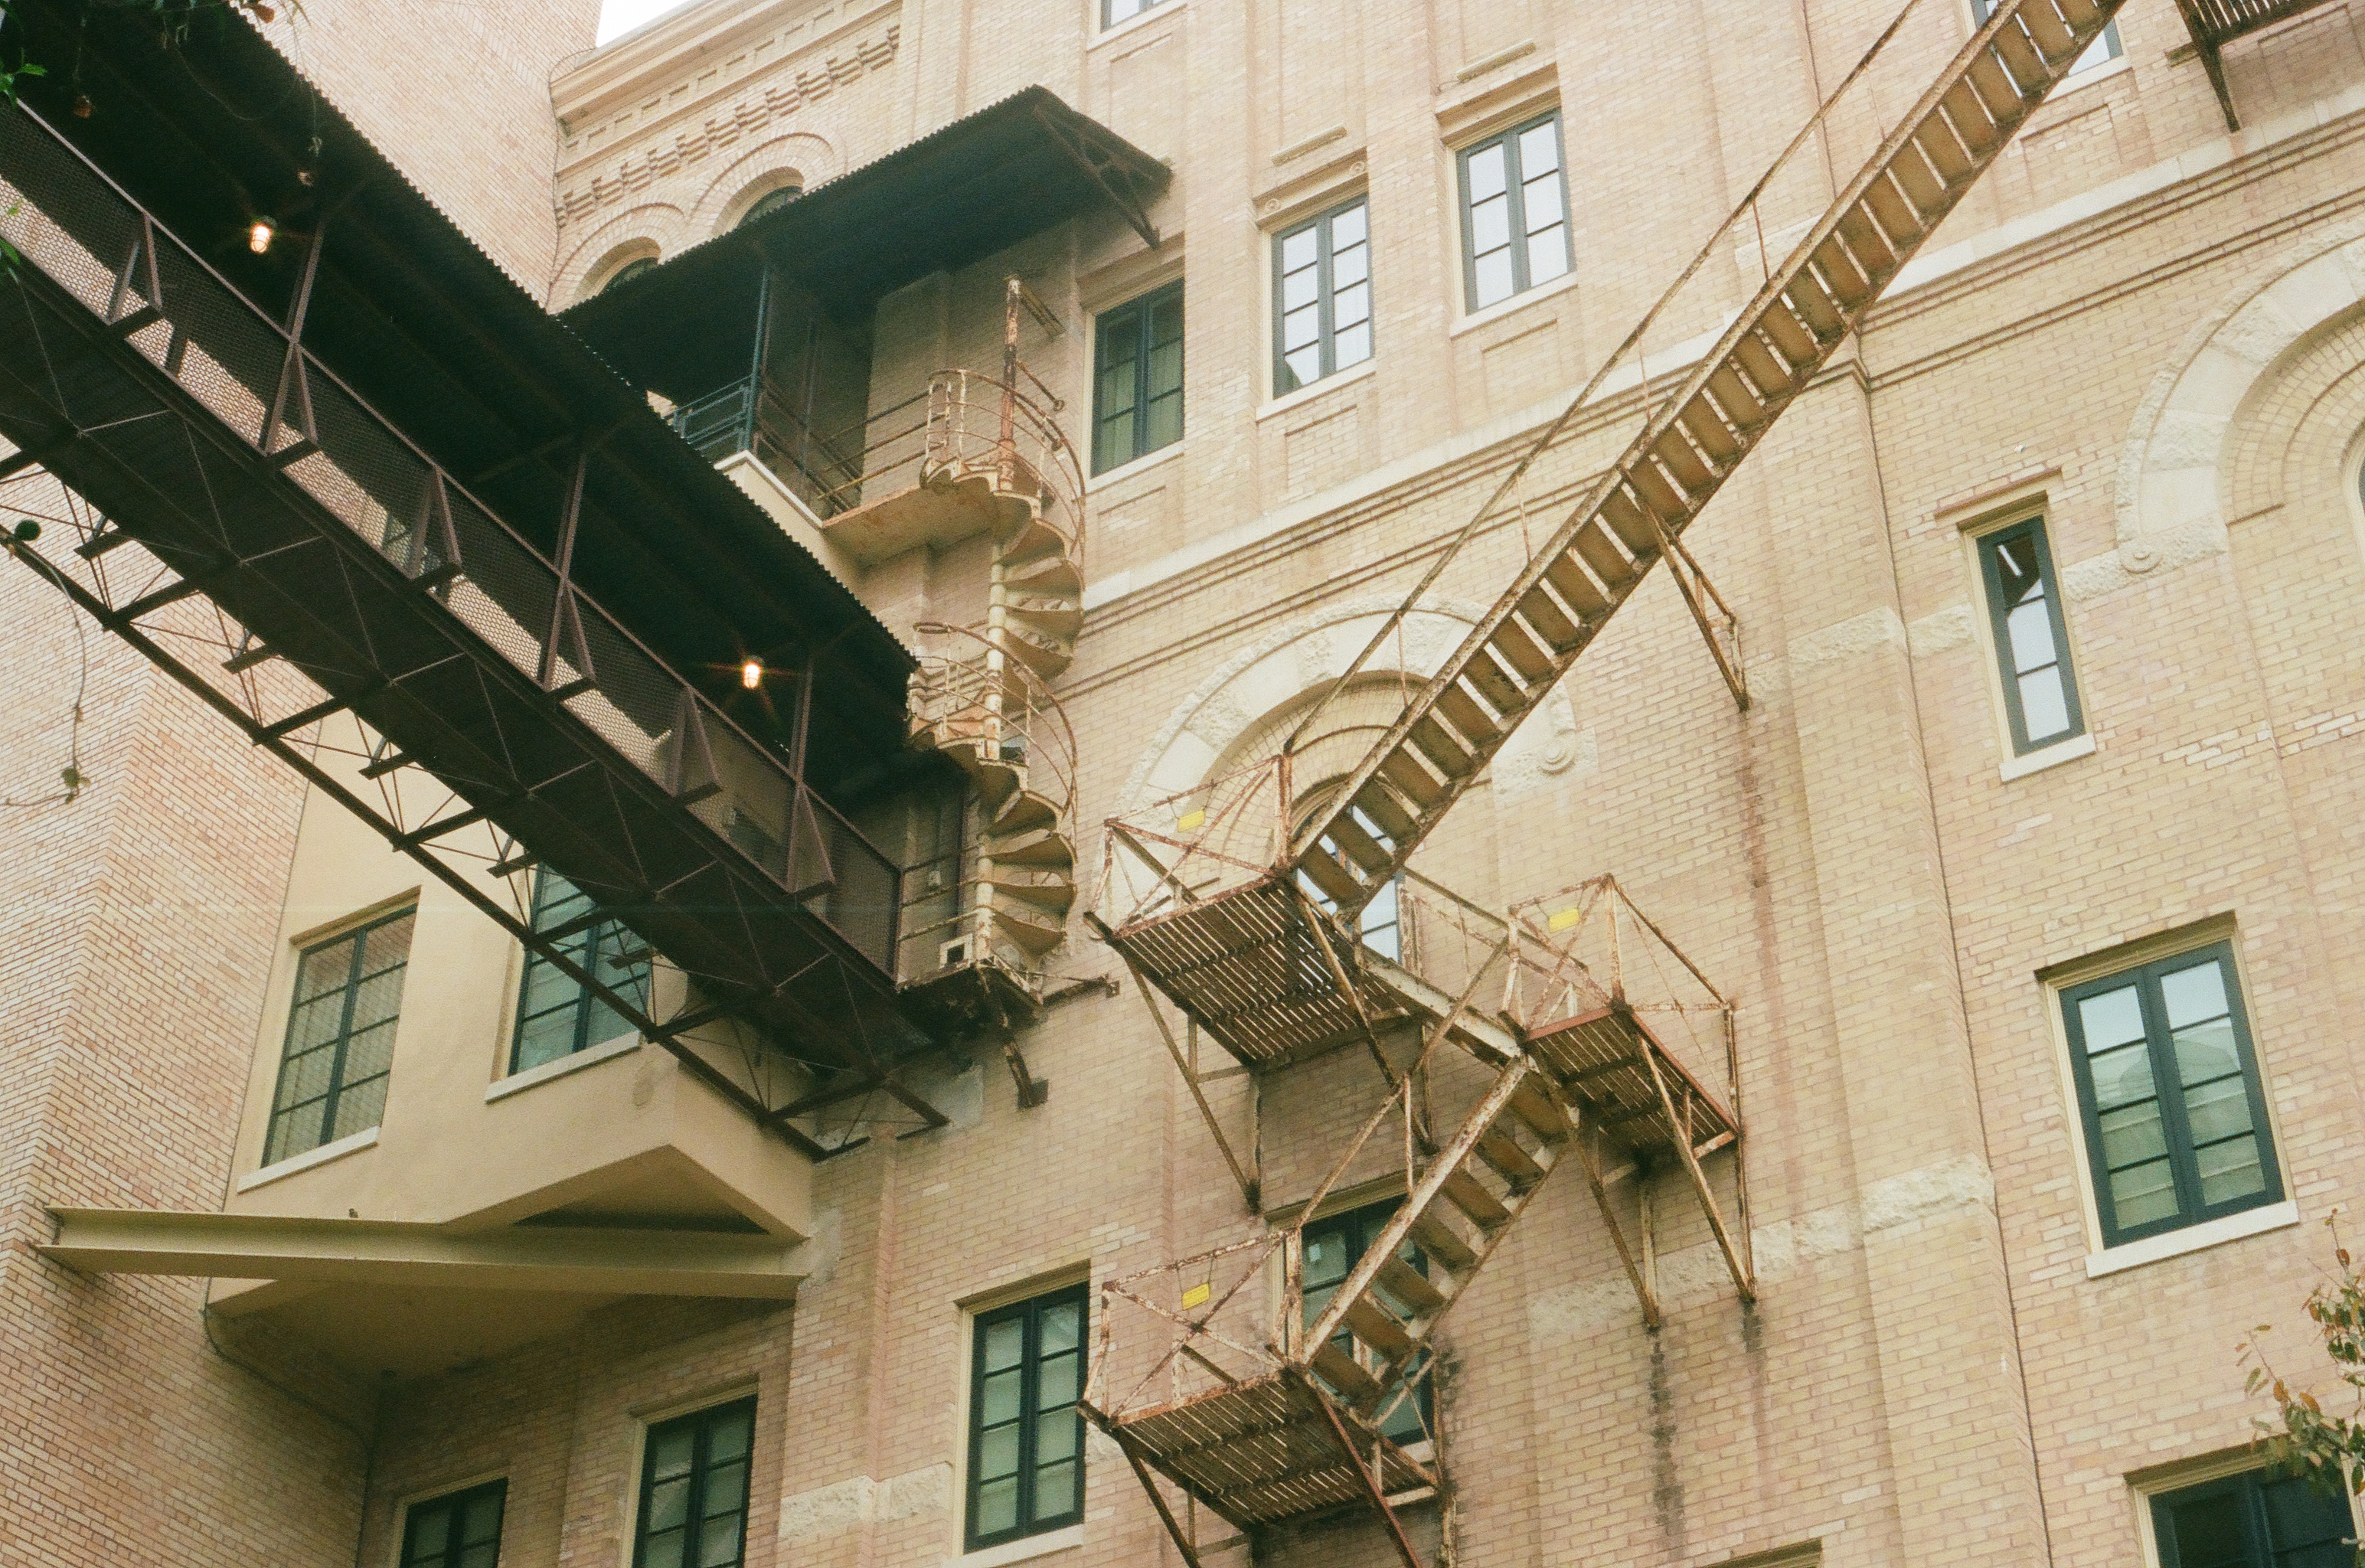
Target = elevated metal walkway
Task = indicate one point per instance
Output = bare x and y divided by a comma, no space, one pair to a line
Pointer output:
261,534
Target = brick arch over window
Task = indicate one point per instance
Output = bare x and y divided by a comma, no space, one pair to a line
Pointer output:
651,231
801,159
2259,405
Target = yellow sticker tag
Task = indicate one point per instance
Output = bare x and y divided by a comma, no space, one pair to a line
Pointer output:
1562,919
1195,1296
1192,819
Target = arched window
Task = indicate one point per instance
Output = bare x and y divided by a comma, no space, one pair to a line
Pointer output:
631,269
769,203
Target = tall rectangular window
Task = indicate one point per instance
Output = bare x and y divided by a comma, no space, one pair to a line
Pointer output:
1138,379
2101,51
1026,1435
1328,1251
1514,212
340,1038
557,1014
462,1530
694,1490
2176,1121
1322,296
2261,1519
2032,642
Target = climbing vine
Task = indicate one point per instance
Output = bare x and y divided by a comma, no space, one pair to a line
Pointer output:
2303,1436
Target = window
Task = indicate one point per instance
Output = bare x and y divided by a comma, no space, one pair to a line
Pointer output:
340,1038
2256,1521
1116,11
2101,51
2032,644
462,1530
769,203
2176,1125
557,1015
1514,212
1026,1435
1329,1249
629,271
1138,379
694,1490
1322,296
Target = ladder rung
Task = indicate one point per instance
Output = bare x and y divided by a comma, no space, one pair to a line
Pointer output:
1376,801
1867,245
1682,460
1443,751
1998,94
2030,73
1461,710
1924,186
1569,579
1330,876
2051,33
1736,399
1773,378
1544,1118
1791,337
1660,493
1512,644
1413,781
1341,1371
1412,1287
1371,1322
1440,1244
1543,612
1968,117
1368,857
1505,695
1601,556
1840,273
1470,1196
1900,224
1815,306
1718,441
1502,1151
1941,145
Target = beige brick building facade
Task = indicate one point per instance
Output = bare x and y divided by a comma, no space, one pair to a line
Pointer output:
2141,329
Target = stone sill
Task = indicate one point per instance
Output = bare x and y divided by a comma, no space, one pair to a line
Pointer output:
353,1143
1025,1550
590,1056
2192,1239
2053,756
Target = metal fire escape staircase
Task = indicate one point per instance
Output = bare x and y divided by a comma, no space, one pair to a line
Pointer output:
236,512
1258,953
988,703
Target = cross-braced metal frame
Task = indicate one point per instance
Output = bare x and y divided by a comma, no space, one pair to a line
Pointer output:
247,521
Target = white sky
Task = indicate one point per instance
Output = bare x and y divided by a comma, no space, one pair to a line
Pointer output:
618,17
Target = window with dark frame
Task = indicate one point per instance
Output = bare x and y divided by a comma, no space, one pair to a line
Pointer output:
340,1047
693,1511
2101,51
2260,1519
1514,212
1025,1433
1322,296
1137,378
770,202
1116,11
557,1014
1328,1251
2032,640
460,1529
2167,1086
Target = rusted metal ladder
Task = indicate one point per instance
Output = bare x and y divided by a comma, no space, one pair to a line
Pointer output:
1693,442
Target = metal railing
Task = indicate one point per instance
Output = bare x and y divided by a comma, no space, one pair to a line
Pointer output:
65,215
2213,22
964,424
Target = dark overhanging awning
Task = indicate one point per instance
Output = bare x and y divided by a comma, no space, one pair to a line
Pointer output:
953,197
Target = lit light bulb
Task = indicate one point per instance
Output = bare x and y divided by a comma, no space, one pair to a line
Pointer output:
751,674
259,235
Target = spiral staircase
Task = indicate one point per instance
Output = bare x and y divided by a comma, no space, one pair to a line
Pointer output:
984,697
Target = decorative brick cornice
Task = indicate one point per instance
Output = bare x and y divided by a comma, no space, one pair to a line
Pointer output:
704,123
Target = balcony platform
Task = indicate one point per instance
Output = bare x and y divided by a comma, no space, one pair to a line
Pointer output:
1268,1449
